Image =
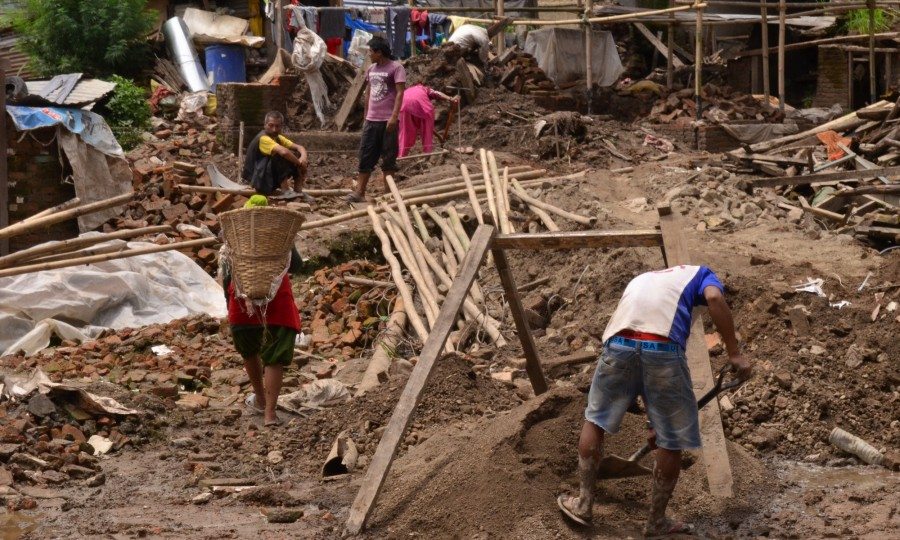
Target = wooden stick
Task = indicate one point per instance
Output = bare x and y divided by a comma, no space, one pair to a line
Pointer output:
76,243
781,37
58,217
429,154
187,188
397,276
611,18
456,225
458,179
420,224
428,295
504,192
489,188
366,282
529,349
764,14
541,214
670,49
240,155
825,177
58,208
520,191
470,306
525,287
28,269
461,185
698,59
450,256
473,198
415,386
873,95
385,348
448,232
407,226
498,194
579,240
715,456
86,252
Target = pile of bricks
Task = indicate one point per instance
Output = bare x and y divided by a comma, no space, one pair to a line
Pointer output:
721,104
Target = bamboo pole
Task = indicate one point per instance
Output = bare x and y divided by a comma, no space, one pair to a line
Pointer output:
428,295
407,226
873,92
589,222
698,59
498,194
473,198
397,275
448,232
46,221
781,35
670,47
435,190
428,199
76,243
449,256
489,188
612,18
366,282
385,347
588,51
764,14
456,224
240,155
85,252
458,179
505,192
540,213
420,224
817,42
247,192
72,203
28,269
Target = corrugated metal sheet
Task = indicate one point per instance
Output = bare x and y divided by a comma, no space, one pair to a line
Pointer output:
11,57
86,91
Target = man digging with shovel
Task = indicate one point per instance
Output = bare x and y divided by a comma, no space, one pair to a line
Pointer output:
643,354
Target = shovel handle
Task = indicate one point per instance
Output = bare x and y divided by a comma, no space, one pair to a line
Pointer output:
641,452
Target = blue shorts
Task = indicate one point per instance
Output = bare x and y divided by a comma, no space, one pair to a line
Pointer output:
661,377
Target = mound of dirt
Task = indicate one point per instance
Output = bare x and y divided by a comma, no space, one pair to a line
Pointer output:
500,479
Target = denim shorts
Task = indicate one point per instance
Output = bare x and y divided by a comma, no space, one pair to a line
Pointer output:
376,143
662,378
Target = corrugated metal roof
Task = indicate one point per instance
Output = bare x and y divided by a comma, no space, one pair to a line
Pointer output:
12,58
86,91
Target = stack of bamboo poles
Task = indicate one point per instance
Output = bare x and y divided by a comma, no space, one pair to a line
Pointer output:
431,262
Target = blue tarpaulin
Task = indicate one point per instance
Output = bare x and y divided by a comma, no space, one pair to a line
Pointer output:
359,24
91,127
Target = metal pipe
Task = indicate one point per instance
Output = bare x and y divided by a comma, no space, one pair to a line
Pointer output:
184,55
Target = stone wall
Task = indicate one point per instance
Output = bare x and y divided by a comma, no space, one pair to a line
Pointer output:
249,103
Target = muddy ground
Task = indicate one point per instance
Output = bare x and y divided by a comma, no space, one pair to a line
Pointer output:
484,458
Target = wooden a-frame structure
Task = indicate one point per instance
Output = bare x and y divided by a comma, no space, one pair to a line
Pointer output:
668,237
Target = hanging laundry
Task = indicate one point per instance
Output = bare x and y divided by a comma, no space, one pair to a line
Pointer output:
331,23
396,27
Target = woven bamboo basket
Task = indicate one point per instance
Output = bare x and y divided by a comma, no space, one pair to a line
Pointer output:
260,240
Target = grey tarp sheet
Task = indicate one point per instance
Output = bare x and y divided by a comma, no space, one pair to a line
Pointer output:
560,53
754,133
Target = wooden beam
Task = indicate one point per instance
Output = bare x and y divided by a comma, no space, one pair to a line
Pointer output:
529,349
415,386
764,15
352,97
715,453
579,240
863,190
825,177
771,159
4,178
658,44
465,80
781,38
52,219
816,42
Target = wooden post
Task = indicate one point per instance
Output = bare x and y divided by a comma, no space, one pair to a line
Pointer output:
415,386
241,149
4,178
529,349
501,37
698,57
850,95
588,52
279,26
781,19
412,31
764,14
670,54
715,453
873,91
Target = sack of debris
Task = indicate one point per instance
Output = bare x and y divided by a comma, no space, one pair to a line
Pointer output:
258,242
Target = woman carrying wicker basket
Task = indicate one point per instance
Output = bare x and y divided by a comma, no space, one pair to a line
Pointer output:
262,312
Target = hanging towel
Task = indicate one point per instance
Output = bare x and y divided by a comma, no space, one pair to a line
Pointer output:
396,27
331,24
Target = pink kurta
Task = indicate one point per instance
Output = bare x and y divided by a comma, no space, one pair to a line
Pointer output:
416,116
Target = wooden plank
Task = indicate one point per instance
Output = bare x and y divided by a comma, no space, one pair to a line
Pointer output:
773,159
415,386
878,190
352,97
825,177
715,454
579,239
657,43
465,80
529,348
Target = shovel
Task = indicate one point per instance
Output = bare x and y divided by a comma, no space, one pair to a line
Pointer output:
613,466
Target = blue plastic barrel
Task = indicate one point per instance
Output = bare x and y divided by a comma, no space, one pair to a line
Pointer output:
224,64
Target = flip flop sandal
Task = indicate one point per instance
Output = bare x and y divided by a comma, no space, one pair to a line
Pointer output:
354,198
672,527
273,423
560,501
250,402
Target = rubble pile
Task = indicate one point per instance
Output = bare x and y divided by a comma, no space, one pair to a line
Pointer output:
338,75
721,104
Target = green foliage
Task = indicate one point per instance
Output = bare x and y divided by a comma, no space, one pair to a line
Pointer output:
94,37
857,21
127,112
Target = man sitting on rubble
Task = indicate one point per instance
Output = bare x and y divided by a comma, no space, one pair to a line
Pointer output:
386,80
265,337
273,159
643,353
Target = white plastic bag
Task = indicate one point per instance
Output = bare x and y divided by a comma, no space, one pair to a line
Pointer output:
359,48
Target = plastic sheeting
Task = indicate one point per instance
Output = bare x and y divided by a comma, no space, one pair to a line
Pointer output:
756,133
123,293
207,27
560,53
91,127
309,53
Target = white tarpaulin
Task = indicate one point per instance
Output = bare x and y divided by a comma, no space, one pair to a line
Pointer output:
560,53
207,27
122,293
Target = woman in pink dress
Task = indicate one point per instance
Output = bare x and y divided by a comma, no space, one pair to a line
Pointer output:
417,116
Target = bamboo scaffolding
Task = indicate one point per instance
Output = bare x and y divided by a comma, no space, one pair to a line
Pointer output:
612,18
765,54
397,275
